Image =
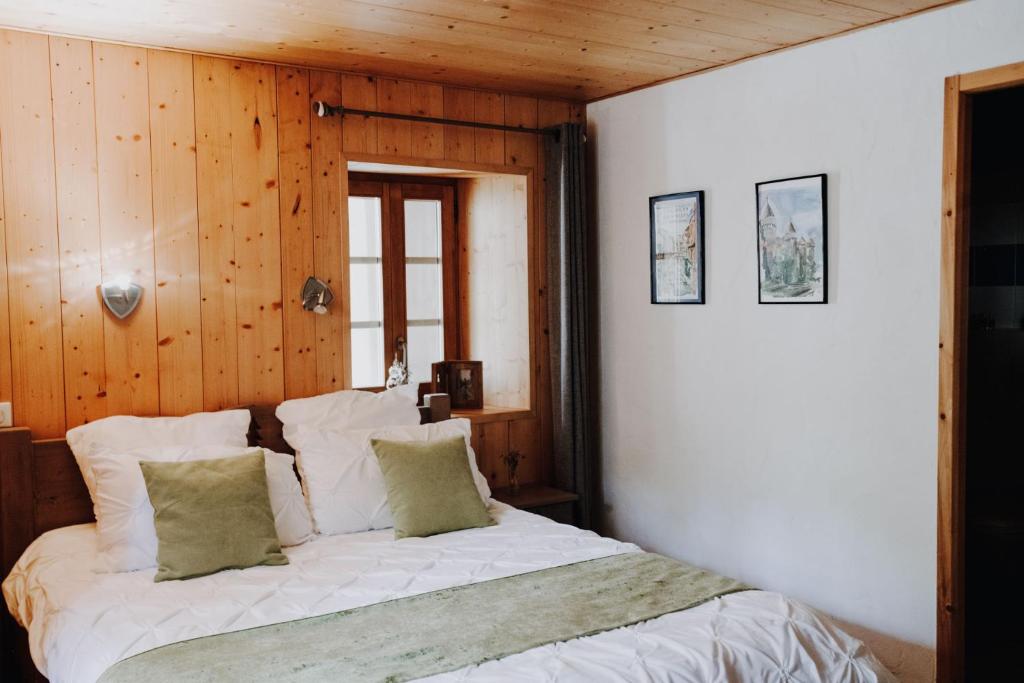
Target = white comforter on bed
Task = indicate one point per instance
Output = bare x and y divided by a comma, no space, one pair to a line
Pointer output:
80,622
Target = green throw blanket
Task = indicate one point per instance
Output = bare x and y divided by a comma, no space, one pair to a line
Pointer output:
431,633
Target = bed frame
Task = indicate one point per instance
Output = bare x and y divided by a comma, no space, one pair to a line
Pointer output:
41,488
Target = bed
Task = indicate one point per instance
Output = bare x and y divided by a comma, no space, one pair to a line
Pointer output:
78,623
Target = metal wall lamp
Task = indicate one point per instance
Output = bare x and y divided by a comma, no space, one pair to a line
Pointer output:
316,295
121,296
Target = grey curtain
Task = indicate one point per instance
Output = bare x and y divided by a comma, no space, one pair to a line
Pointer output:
569,316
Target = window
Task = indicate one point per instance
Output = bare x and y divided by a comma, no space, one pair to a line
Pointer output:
366,288
401,275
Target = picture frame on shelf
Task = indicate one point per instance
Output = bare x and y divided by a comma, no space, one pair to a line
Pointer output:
462,380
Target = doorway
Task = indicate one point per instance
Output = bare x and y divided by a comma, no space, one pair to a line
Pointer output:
981,353
994,545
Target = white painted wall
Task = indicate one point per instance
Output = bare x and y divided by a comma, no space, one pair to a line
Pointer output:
790,446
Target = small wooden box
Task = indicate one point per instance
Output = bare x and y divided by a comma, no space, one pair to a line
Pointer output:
462,380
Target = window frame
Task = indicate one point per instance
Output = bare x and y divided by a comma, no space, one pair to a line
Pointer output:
393,191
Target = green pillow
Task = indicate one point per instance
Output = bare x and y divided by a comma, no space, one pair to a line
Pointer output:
211,515
430,486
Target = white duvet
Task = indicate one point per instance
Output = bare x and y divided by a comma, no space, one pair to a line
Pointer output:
80,622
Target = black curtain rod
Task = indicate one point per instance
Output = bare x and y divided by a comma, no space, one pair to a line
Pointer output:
324,109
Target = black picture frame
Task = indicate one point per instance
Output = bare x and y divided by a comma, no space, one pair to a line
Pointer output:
821,298
698,248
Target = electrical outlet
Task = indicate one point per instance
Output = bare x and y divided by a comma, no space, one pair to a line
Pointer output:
5,415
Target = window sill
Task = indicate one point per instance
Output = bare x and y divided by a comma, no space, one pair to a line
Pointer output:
492,414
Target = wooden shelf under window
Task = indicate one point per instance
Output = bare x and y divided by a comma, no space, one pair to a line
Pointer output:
492,414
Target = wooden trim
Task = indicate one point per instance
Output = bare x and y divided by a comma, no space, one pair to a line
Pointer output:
995,78
450,273
393,236
449,164
951,519
341,268
536,284
493,414
367,176
364,187
952,338
413,187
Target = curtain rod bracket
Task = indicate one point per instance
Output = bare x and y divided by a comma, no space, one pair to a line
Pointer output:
323,109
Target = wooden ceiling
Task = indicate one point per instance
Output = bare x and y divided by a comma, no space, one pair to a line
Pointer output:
575,49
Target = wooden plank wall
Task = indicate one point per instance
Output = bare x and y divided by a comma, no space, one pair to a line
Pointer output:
494,311
208,182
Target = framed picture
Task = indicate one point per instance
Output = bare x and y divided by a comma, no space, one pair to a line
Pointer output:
792,241
677,248
462,380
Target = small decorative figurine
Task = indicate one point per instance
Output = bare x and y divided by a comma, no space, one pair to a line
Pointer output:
512,460
398,373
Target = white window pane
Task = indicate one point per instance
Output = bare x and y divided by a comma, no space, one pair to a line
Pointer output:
366,291
364,226
426,346
422,228
423,299
368,357
423,285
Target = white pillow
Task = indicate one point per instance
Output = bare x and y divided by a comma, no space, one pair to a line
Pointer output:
126,433
349,409
124,516
342,479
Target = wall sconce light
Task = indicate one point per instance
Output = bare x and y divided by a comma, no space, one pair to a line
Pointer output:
316,295
121,296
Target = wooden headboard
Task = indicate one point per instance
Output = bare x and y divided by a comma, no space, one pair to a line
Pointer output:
41,488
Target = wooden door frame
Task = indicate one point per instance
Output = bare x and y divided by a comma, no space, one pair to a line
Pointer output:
952,352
